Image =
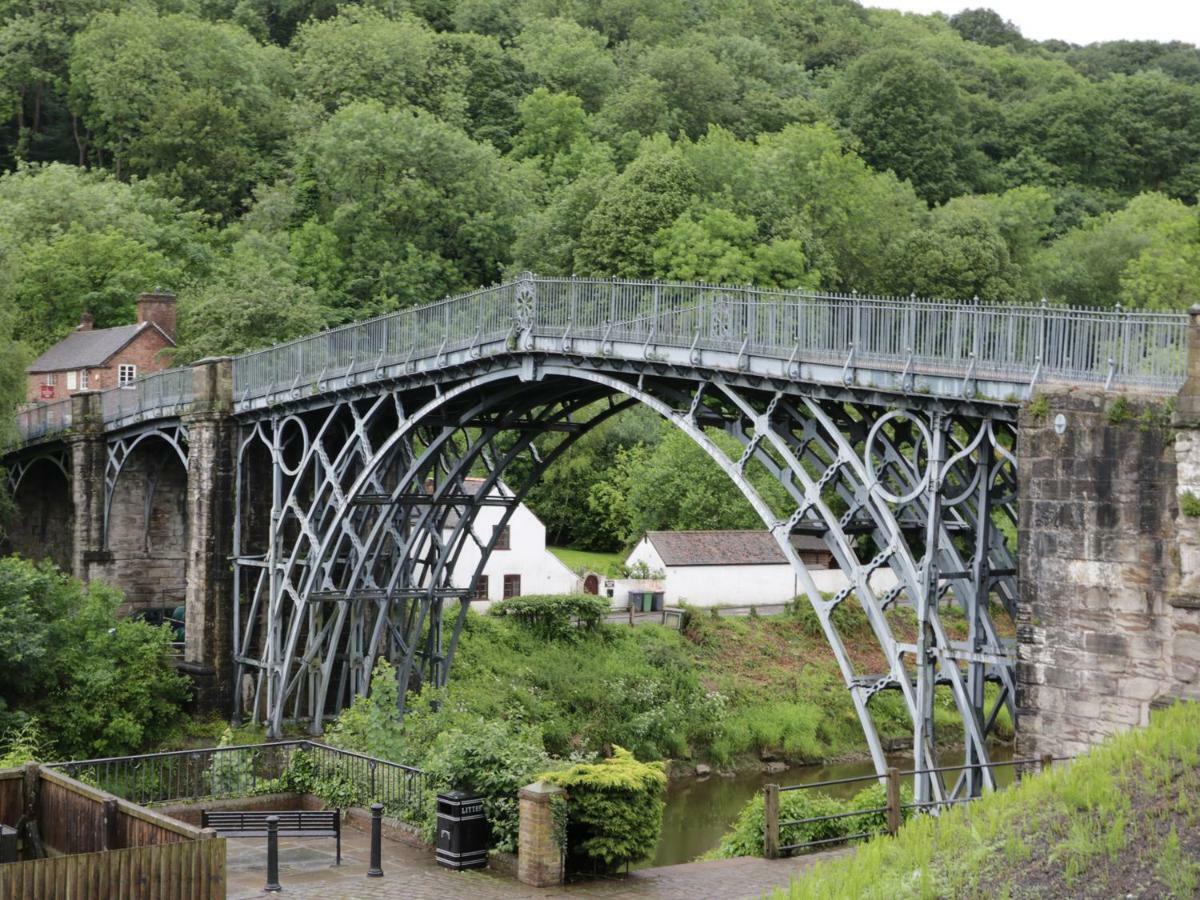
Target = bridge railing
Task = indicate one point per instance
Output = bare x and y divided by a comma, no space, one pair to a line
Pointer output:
149,395
44,419
949,337
1020,343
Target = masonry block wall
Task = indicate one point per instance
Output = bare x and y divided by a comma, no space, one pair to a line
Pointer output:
43,528
1106,626
146,553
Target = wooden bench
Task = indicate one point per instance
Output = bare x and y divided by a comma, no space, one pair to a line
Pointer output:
292,823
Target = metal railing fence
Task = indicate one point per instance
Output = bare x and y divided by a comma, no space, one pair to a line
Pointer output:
887,818
44,419
215,773
1019,343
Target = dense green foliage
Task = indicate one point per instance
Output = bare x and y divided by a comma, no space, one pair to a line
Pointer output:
567,617
289,166
1122,818
614,809
97,685
361,157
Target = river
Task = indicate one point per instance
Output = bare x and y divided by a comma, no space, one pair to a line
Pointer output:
700,810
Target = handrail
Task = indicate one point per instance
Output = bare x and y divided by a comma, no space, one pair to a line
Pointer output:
967,340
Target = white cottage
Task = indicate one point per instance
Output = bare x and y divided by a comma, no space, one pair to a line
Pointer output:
734,568
519,563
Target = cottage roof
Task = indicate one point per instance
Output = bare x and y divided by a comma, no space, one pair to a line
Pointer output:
85,349
725,548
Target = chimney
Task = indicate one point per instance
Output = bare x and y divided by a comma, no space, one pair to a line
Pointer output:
158,308
85,322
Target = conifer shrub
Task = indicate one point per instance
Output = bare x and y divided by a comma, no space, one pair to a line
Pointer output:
614,809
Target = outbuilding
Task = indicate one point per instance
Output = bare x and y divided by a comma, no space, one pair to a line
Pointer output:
732,568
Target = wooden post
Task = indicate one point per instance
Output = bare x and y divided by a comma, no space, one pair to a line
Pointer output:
894,816
1047,761
109,838
771,821
33,848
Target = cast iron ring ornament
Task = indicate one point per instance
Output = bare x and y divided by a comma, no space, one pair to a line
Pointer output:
873,471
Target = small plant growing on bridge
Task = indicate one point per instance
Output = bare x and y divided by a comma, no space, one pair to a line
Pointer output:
1189,504
1039,407
1119,411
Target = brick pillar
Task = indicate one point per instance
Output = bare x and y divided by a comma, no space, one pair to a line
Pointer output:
539,860
88,460
210,503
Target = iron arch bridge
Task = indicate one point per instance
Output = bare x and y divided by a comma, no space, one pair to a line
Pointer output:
889,422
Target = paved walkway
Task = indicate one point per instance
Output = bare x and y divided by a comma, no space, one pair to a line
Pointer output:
306,870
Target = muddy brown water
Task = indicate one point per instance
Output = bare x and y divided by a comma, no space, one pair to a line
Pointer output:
700,810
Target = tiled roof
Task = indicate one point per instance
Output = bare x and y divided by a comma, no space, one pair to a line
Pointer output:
84,349
725,548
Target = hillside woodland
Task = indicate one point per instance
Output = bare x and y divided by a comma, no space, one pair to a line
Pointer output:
287,165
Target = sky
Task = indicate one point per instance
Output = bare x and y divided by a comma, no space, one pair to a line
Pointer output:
1080,21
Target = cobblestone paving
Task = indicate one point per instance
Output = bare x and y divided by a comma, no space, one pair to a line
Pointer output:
306,870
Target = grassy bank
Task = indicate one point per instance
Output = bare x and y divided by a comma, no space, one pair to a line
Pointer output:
1122,821
722,691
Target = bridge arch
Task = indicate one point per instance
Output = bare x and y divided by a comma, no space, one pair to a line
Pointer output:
39,485
366,531
146,527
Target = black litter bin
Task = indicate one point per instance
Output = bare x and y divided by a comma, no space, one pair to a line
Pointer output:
463,831
8,844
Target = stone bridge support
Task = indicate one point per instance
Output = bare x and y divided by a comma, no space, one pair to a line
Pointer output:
210,505
1109,613
168,534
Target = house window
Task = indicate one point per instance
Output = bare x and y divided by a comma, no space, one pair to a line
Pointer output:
72,380
502,540
126,373
512,585
50,379
83,378
481,588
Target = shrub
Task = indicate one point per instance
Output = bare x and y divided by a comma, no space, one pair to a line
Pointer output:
848,617
100,685
232,773
555,617
614,808
746,836
493,759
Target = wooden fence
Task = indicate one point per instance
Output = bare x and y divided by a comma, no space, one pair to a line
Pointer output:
100,846
184,870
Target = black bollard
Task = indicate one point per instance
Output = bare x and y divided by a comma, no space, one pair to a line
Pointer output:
273,854
376,870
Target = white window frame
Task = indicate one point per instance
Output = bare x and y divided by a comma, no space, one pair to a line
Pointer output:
83,379
122,380
72,380
50,379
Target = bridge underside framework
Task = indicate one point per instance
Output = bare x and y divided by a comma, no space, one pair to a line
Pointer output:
352,514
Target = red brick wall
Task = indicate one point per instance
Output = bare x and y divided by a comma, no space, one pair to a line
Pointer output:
142,351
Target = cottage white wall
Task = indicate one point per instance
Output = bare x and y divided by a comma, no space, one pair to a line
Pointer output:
740,585
541,572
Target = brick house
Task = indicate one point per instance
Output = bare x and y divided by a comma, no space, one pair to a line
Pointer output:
94,359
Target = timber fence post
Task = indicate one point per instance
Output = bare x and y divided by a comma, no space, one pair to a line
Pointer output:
771,821
894,817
